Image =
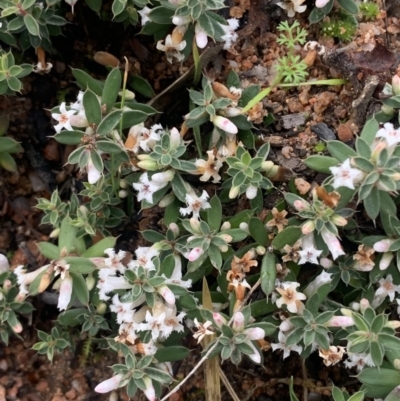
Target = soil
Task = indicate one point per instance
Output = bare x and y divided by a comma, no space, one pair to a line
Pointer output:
303,116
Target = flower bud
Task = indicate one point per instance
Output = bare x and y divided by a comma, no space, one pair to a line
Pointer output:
393,324
167,294
7,285
143,156
55,233
108,385
238,322
301,205
44,282
364,304
340,321
255,333
122,194
251,192
234,192
174,228
226,226
129,95
321,3
224,124
223,248
166,200
149,392
175,138
90,282
383,245
84,210
226,237
244,226
386,260
161,178
150,165
261,250
308,227
325,263
219,319
194,254
355,306
4,265
320,280
396,364
78,121
123,184
17,328
338,220
20,297
346,312
389,111
195,225
233,112
201,36
396,85
93,174
178,20
101,308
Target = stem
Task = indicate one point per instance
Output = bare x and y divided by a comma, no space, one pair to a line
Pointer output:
192,372
197,63
196,133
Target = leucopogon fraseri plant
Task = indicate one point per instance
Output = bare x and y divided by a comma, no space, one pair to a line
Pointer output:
141,302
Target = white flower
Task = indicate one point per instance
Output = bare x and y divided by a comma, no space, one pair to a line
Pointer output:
172,50
114,259
107,282
63,118
332,243
321,3
39,68
386,260
147,188
176,276
230,34
387,288
290,297
153,323
391,135
309,255
320,280
282,346
150,391
195,204
209,168
172,322
292,6
24,278
202,330
144,256
358,360
383,245
93,174
4,265
144,14
124,310
65,292
345,175
201,36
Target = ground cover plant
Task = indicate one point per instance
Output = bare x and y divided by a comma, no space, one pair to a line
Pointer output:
312,273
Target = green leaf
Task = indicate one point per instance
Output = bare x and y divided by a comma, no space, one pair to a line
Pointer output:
369,131
258,231
288,236
49,250
80,265
268,273
80,288
359,396
317,14
109,147
97,250
70,317
31,25
161,15
237,234
337,394
381,377
372,203
340,151
111,89
171,353
233,80
85,81
92,107
292,394
140,85
67,237
7,162
321,164
350,6
69,137
109,122
394,395
94,5
133,117
248,94
152,236
214,213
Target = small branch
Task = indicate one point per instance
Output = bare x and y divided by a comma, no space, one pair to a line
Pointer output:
192,372
228,386
304,375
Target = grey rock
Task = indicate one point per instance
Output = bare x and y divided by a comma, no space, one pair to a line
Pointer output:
323,132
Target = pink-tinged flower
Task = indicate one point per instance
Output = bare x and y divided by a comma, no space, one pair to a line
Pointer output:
396,85
255,356
308,227
17,328
309,255
93,174
167,294
345,175
387,258
202,329
301,205
325,263
65,292
238,322
391,135
144,15
110,384
332,243
340,321
224,124
219,320
114,260
150,393
255,333
194,254
153,323
195,204
63,118
321,3
383,245
201,36
386,289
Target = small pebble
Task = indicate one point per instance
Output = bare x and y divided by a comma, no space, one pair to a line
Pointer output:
314,397
3,365
344,133
323,132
